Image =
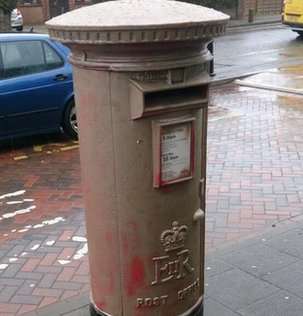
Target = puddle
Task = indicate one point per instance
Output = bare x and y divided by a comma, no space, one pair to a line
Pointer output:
292,105
217,113
287,79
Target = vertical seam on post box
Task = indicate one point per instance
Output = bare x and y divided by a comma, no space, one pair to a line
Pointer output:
115,184
203,175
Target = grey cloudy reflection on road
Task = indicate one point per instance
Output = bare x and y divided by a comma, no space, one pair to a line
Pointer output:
237,54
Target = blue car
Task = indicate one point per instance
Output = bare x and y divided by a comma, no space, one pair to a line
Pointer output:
36,86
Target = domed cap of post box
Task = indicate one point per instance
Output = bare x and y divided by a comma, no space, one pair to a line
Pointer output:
137,21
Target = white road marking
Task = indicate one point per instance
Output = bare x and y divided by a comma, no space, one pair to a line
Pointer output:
12,194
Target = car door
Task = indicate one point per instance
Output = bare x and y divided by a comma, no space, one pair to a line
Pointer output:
3,123
35,86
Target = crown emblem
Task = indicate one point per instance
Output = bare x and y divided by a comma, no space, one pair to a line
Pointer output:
173,239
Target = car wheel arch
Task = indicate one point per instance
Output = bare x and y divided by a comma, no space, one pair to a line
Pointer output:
65,107
69,126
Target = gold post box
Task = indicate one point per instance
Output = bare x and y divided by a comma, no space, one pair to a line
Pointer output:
141,85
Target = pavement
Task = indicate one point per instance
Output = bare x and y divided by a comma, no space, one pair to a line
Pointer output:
42,233
254,211
259,276
256,276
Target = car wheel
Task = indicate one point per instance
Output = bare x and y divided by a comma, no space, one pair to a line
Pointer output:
300,33
70,125
19,28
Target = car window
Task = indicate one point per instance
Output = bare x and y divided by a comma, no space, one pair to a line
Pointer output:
53,60
22,58
1,67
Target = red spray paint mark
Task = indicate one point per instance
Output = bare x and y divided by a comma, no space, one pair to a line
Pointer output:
100,305
125,246
110,286
109,237
167,189
136,276
97,294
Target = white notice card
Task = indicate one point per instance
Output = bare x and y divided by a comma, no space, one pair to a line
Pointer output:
175,152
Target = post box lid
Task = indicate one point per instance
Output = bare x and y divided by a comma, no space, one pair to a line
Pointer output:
125,21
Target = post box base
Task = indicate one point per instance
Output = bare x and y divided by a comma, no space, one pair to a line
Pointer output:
94,312
196,312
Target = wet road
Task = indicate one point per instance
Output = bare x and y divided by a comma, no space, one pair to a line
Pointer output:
251,51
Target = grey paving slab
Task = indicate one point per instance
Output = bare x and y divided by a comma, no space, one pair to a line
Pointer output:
271,233
213,308
237,289
215,266
259,259
289,242
26,299
69,307
7,293
81,312
11,271
289,278
280,304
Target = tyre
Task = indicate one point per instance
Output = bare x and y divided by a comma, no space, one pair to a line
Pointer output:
300,33
70,125
19,28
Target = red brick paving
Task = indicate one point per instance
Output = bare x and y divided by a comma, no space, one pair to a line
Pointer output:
255,164
51,180
255,170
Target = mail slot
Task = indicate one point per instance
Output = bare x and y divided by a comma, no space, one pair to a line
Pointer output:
153,98
142,90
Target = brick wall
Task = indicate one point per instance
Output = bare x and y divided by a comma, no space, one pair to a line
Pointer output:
32,15
261,7
269,7
4,22
71,5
